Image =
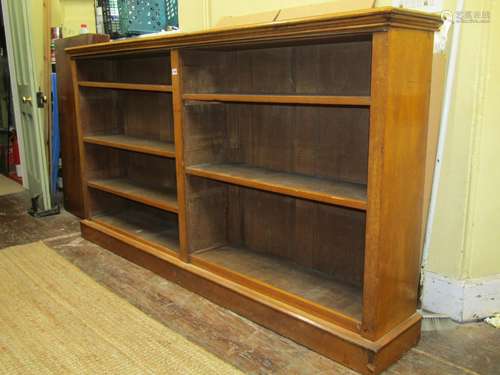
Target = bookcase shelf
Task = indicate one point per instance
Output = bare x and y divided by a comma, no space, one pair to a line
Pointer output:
275,169
321,190
143,225
275,272
283,99
125,142
165,199
147,179
126,86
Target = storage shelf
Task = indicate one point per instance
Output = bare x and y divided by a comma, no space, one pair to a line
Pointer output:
125,142
274,218
288,277
155,197
143,226
312,188
126,86
283,99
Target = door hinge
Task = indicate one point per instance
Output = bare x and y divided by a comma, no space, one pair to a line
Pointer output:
41,99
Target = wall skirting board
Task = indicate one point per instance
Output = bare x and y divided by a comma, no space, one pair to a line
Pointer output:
462,300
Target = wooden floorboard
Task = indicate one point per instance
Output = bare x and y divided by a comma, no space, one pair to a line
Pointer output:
17,227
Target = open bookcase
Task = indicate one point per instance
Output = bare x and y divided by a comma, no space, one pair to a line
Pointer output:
277,170
127,137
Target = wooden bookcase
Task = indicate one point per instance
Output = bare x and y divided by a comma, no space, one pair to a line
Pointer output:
276,169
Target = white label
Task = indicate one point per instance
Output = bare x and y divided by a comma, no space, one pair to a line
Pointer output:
174,71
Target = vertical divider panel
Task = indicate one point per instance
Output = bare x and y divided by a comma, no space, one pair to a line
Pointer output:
176,64
81,147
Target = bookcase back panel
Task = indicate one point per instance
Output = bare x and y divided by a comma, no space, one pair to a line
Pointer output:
319,141
338,68
102,203
146,170
138,114
96,69
319,237
148,69
98,112
151,170
148,115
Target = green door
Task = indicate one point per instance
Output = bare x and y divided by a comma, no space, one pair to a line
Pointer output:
29,124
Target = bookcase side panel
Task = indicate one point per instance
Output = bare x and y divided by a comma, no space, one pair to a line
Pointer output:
401,73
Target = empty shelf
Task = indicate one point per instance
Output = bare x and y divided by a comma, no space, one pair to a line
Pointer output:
126,86
289,277
284,99
155,197
142,224
125,142
313,188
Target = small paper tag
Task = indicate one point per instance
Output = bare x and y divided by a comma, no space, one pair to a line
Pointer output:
174,71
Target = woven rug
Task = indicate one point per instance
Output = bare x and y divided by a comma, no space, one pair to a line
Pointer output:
54,319
7,186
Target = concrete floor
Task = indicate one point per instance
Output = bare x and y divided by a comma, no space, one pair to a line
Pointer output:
464,349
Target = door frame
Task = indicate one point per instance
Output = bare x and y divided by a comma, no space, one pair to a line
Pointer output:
14,92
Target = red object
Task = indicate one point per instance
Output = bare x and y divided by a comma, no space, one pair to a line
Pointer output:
14,158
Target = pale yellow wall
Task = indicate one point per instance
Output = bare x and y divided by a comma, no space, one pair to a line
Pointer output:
191,14
56,12
466,234
447,247
483,230
223,8
71,14
37,23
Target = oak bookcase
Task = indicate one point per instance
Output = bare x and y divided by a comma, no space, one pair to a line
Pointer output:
276,169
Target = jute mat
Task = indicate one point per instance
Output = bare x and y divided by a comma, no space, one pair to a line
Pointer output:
7,186
54,319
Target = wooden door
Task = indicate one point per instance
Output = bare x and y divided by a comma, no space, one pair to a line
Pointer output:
28,117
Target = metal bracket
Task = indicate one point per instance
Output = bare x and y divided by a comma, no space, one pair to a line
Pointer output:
35,211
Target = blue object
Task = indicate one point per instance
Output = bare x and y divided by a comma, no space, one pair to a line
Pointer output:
56,140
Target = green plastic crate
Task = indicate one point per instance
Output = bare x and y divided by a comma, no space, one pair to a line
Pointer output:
134,17
147,16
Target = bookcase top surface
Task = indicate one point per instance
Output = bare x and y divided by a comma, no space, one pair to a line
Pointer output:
329,25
